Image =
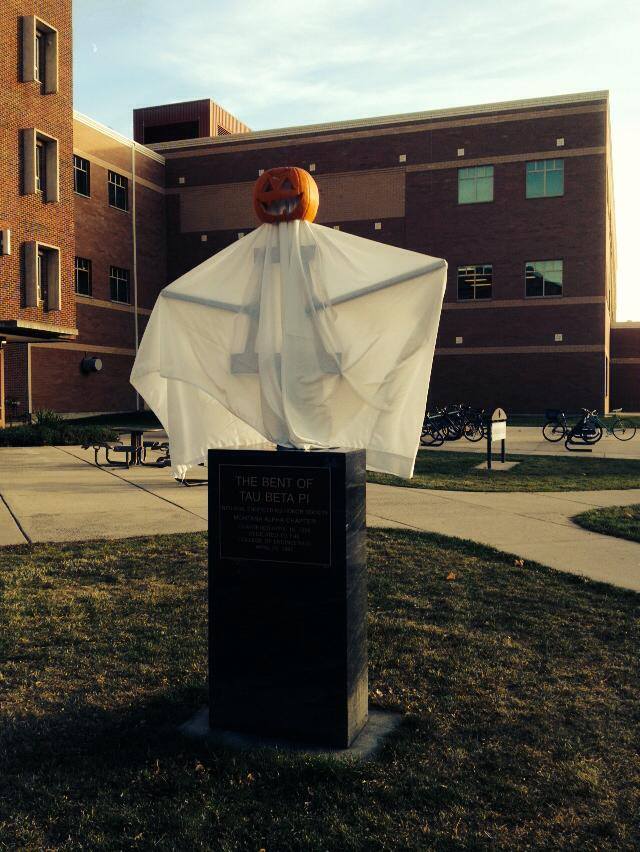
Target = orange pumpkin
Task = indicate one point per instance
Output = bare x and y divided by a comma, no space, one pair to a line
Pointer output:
285,193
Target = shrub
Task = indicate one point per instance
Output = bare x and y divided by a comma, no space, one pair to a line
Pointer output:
47,417
48,432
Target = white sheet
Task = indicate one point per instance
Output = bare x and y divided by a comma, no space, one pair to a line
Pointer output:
300,335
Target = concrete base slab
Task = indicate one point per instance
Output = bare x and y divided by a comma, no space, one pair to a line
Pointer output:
497,466
378,727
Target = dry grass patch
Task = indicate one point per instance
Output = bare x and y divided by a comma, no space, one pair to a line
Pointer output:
520,688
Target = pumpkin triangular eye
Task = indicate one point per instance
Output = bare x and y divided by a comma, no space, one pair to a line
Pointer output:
267,187
286,184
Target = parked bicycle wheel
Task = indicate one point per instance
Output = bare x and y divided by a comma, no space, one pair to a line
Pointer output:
623,430
473,431
590,433
553,432
432,439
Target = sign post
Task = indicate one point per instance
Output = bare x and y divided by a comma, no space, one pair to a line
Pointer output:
497,431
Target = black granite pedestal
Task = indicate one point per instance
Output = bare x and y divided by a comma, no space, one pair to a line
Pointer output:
287,594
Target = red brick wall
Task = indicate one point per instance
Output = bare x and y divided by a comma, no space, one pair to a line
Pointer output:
506,232
519,383
58,383
22,106
625,367
104,235
17,375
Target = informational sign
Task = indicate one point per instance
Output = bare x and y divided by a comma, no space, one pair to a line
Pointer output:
497,431
275,514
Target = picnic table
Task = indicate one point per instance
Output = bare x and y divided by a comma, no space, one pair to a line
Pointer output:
138,445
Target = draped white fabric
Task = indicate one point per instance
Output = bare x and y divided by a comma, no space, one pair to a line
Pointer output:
300,335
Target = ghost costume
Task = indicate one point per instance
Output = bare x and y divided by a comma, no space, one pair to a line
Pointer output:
300,335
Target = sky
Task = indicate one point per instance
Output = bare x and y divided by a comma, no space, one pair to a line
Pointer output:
290,62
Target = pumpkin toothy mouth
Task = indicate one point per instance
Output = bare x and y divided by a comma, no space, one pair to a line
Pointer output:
282,206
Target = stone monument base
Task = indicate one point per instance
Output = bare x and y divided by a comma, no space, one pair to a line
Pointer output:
379,726
288,595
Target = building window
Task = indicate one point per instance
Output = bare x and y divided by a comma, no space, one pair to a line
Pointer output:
83,276
40,54
40,165
42,276
475,282
81,175
119,284
543,278
475,184
118,191
545,178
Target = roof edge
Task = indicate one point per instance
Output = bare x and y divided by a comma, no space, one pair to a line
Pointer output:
398,118
119,137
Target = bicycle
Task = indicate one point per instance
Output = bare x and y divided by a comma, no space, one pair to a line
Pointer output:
556,427
475,428
431,435
622,429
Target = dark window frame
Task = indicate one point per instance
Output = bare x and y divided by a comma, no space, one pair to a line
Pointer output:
475,285
119,278
42,275
78,171
544,295
78,269
118,191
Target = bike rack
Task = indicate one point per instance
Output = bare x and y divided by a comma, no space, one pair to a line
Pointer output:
572,440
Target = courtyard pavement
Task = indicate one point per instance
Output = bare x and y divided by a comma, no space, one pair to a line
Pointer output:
57,494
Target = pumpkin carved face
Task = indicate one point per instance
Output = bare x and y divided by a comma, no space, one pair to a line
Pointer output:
285,193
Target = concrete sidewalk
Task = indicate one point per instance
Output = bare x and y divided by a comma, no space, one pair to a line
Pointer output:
531,525
57,494
528,440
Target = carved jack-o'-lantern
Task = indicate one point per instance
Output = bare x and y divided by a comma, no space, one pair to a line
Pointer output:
285,193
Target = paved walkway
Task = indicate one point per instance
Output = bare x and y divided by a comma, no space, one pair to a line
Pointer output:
528,440
57,494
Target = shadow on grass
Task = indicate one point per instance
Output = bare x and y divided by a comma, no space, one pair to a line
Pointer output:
520,686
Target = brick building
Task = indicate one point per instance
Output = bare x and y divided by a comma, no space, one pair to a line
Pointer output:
516,196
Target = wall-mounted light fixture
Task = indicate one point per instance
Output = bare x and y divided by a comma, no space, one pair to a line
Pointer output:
91,365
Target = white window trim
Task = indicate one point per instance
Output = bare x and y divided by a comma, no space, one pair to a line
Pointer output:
54,297
5,241
30,25
30,137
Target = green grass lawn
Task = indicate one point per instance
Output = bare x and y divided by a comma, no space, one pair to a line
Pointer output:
520,686
619,521
457,472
